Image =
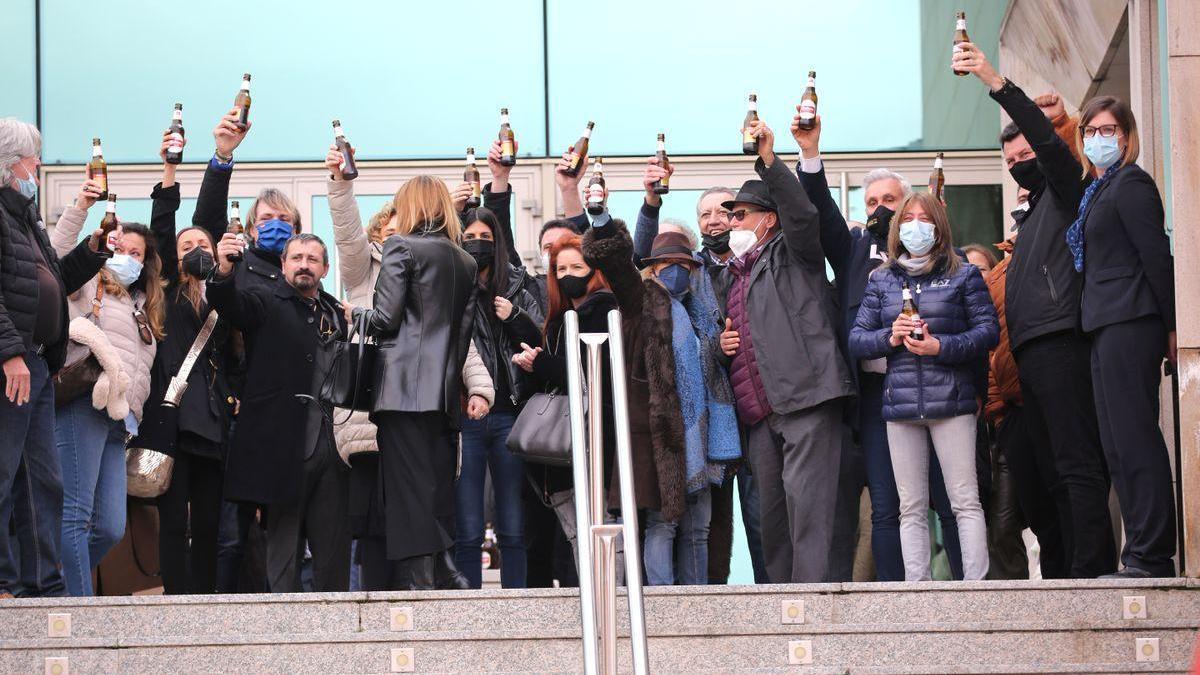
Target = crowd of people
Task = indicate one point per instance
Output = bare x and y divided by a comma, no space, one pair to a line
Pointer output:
1001,395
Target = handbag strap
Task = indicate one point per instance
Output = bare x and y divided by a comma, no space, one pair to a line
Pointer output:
360,327
94,312
189,361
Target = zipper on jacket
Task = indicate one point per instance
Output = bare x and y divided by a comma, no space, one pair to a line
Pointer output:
920,372
1050,283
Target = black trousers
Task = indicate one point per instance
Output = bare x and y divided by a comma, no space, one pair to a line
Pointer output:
1033,477
416,465
1006,549
1126,358
191,505
318,517
1056,386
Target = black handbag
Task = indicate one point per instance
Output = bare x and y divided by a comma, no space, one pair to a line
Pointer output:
542,432
81,370
350,382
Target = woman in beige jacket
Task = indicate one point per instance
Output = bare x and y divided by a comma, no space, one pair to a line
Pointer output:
118,319
359,253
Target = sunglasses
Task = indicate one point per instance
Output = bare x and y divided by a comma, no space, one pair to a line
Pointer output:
143,324
1105,131
741,214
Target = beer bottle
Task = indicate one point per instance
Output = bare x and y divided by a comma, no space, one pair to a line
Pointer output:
508,141
750,143
242,103
596,193
808,103
579,151
471,175
175,146
235,227
960,36
349,170
937,180
910,310
663,185
97,169
108,227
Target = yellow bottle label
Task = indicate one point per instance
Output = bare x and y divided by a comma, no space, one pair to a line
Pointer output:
506,147
746,137
476,189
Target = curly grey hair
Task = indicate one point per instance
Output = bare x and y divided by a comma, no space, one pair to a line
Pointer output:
17,139
876,175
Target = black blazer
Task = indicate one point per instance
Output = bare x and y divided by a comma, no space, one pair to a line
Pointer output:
423,316
1128,269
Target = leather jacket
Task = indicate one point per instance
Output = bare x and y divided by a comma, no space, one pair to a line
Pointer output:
496,340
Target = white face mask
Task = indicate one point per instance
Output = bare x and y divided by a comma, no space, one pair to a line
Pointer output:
741,241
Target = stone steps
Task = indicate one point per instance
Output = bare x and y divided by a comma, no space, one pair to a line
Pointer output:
1040,626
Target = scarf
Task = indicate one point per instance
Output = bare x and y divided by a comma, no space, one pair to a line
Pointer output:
1075,231
706,400
916,267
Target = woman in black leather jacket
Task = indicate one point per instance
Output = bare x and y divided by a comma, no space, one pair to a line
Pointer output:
422,318
505,316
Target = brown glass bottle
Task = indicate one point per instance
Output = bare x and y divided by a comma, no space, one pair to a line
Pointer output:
579,151
108,226
808,104
235,227
175,147
597,194
663,185
349,169
508,140
242,103
750,143
910,310
960,36
97,169
471,175
937,180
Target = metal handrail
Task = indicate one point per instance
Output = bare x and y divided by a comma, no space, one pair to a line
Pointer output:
583,545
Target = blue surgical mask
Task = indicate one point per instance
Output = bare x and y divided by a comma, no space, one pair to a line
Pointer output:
125,268
28,187
273,234
1104,152
917,237
676,278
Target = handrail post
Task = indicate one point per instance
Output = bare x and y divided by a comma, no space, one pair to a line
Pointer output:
579,465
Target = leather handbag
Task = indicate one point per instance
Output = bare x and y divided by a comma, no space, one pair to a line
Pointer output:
350,382
81,369
542,432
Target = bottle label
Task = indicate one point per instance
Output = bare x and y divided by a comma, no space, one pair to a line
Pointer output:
111,207
746,137
96,151
101,177
959,24
175,144
808,109
506,148
662,146
752,105
476,189
595,194
906,294
111,242
587,133
573,163
177,115
665,181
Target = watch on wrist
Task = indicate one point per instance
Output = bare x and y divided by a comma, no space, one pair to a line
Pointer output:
223,159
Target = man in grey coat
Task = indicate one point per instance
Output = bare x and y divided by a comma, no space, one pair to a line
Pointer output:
788,375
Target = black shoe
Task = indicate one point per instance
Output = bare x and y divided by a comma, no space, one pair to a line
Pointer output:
1128,572
421,574
447,577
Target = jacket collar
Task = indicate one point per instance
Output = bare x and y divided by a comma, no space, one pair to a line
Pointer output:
18,206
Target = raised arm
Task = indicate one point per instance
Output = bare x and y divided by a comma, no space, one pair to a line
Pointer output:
353,245
164,200
241,307
836,241
608,248
798,218
212,201
497,197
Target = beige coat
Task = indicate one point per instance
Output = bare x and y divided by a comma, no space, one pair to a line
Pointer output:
118,332
358,265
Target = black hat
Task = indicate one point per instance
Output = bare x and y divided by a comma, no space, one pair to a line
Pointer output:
753,192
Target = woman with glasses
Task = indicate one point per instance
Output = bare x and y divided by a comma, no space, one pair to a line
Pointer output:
1128,306
117,319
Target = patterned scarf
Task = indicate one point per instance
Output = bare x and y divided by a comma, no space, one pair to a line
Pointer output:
1075,231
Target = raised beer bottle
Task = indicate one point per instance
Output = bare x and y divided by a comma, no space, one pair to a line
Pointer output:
663,185
960,36
108,227
910,310
175,146
808,103
750,143
508,141
97,169
235,227
579,151
597,194
349,170
937,179
471,175
242,103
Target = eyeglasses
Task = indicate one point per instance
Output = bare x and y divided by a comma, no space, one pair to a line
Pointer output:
1105,130
143,324
741,214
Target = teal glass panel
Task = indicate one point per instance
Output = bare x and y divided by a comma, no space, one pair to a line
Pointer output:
18,77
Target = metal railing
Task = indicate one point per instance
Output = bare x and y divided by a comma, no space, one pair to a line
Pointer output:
596,540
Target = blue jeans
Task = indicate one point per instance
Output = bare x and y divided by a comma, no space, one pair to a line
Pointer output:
885,499
484,448
747,491
678,552
92,449
30,489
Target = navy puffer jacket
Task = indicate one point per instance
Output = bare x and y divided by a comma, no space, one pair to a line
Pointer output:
957,310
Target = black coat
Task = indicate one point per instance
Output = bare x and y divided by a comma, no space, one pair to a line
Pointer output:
496,340
1042,288
283,349
20,230
500,203
423,317
1128,270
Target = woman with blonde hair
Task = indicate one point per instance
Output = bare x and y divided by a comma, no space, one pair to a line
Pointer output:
930,387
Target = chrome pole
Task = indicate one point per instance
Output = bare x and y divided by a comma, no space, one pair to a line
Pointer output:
595,395
606,581
579,466
633,548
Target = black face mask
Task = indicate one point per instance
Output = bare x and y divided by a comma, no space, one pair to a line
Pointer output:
574,287
482,250
717,243
198,263
1027,174
880,221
